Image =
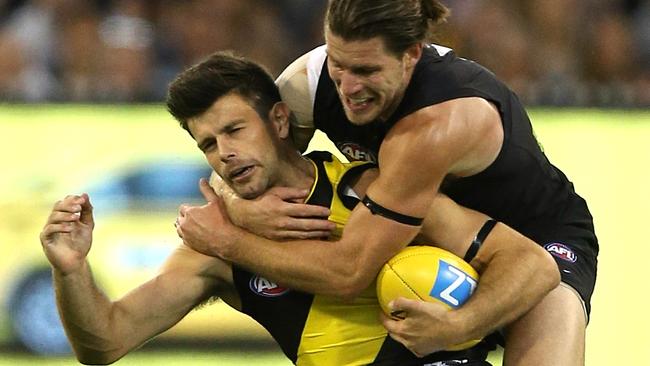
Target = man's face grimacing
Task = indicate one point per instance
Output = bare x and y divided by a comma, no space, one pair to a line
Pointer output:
239,145
370,80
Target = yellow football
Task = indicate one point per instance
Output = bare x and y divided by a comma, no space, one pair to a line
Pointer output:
429,274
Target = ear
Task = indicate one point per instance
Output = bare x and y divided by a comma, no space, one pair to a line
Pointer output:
412,55
279,117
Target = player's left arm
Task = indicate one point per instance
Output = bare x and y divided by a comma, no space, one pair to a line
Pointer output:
516,274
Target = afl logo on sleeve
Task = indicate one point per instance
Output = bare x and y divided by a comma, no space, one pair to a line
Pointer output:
561,251
263,287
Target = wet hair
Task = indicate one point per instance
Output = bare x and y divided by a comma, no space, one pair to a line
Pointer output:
196,89
400,23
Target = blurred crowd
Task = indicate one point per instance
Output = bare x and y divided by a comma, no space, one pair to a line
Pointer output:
552,52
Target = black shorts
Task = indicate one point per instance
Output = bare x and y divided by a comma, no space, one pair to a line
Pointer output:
575,250
473,356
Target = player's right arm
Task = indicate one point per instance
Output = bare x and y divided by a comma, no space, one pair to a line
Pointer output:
101,331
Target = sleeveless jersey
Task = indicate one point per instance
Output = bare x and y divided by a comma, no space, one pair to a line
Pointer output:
520,188
324,330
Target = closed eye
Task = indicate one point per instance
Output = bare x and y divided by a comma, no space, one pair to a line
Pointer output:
364,70
207,144
234,129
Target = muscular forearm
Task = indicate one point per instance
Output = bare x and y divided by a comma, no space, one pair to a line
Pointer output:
512,282
310,266
341,268
86,312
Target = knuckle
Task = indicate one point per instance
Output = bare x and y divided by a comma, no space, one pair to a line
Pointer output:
283,223
303,225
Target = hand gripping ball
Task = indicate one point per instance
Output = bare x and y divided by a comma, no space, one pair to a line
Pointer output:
429,274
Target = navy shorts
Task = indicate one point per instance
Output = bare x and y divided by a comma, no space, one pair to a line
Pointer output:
575,250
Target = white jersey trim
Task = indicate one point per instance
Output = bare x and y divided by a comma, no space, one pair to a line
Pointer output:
314,68
442,50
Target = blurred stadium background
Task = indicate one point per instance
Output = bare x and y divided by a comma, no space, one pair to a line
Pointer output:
81,86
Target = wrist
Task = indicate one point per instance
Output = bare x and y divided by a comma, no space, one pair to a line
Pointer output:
234,207
70,270
461,321
230,243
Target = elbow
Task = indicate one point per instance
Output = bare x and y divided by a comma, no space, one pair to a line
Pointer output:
350,273
350,285
89,356
349,292
94,359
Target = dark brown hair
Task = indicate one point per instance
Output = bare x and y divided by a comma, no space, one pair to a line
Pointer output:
400,23
195,90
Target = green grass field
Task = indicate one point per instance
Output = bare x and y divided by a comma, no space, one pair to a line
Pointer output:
605,153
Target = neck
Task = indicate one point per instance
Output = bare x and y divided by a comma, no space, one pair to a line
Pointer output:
297,172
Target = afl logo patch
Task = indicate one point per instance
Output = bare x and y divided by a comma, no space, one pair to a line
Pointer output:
266,288
561,251
356,152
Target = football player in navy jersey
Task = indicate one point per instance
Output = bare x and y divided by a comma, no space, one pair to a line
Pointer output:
435,123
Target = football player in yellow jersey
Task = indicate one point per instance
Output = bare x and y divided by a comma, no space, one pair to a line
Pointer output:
242,127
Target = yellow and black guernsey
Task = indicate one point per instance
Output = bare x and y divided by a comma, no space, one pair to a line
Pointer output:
324,330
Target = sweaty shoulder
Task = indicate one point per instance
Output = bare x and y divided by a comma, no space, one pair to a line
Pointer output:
297,84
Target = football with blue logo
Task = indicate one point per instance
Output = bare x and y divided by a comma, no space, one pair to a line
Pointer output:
429,274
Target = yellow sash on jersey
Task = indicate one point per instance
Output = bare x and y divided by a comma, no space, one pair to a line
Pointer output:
338,332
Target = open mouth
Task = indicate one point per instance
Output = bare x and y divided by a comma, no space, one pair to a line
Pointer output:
241,173
358,104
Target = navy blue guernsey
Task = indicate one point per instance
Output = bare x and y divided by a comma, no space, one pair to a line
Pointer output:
520,188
